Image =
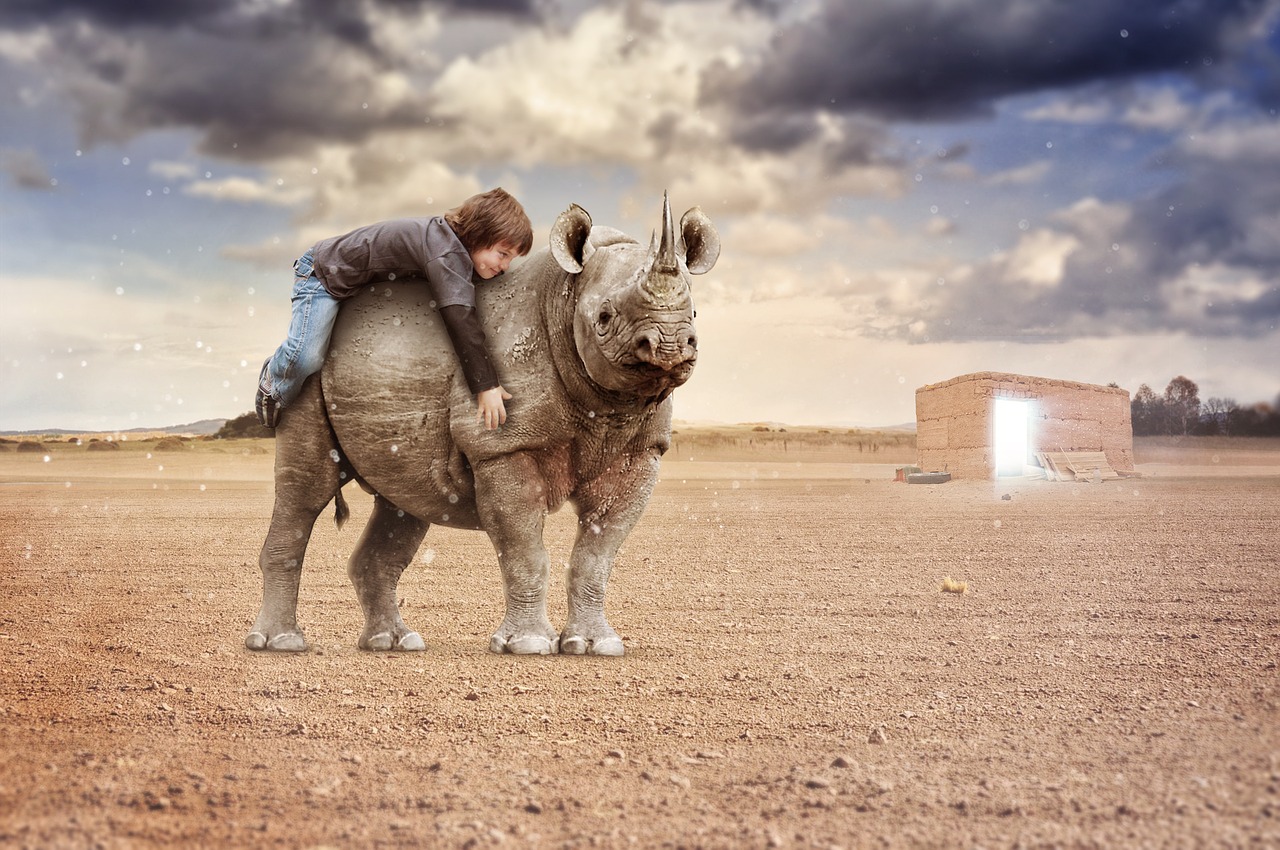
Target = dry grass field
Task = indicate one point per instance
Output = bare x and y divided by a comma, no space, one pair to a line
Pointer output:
795,675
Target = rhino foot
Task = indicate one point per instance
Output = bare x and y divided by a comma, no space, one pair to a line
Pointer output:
579,645
283,642
524,644
530,634
387,641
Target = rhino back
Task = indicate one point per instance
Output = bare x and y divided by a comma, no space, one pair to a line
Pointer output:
400,407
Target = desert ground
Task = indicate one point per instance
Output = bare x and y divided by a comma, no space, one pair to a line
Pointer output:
795,675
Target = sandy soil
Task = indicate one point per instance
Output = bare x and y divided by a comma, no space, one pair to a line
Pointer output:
794,677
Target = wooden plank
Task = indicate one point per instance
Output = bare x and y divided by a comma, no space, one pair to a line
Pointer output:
1076,466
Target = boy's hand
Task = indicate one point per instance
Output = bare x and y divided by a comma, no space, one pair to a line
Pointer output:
492,411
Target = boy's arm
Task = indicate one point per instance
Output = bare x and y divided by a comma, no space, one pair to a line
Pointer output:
455,294
468,343
468,340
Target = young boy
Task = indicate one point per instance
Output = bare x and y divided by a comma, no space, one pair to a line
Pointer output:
478,239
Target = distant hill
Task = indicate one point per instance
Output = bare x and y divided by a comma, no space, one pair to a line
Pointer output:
201,428
204,426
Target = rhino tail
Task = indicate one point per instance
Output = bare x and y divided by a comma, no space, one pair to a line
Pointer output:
341,511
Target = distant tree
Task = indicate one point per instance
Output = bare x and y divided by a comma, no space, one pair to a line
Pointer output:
1147,410
1245,421
1268,419
1217,415
242,427
1179,411
1182,401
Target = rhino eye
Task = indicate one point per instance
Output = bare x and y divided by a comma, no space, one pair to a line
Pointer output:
605,317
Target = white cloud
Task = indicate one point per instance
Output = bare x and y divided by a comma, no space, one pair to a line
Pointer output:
940,226
27,47
1023,175
764,235
171,170
591,93
1199,288
1255,141
1067,111
1159,109
245,190
1039,258
1095,220
607,91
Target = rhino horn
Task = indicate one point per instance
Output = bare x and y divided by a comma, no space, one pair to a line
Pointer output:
666,259
663,278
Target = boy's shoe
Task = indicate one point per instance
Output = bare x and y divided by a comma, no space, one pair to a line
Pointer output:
264,404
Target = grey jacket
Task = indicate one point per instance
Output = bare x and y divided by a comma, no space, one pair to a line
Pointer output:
407,249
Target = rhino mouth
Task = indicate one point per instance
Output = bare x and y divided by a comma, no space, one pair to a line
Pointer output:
651,380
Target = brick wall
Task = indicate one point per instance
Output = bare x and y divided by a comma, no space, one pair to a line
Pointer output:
954,421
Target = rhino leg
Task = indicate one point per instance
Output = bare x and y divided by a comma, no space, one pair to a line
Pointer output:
607,511
587,631
511,499
384,550
307,478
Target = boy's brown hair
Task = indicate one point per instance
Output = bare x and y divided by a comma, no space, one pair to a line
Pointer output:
489,219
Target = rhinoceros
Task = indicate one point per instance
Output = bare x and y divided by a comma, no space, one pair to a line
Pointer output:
590,334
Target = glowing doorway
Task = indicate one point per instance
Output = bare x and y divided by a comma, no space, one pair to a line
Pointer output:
1011,434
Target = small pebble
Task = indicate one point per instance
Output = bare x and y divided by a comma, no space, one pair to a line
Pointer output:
876,736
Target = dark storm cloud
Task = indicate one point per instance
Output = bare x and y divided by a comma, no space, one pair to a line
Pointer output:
332,14
777,134
112,12
246,100
838,145
254,80
254,23
931,60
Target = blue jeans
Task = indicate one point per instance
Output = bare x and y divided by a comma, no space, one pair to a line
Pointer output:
310,326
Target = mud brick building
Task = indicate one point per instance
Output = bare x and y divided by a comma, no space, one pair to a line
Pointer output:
991,424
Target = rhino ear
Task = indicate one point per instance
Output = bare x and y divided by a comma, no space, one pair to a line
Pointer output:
569,238
701,241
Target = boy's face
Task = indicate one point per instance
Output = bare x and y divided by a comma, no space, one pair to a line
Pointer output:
492,261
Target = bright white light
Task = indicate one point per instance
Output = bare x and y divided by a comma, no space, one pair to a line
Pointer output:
1010,436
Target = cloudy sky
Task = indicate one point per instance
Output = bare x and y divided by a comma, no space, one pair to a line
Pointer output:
907,190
